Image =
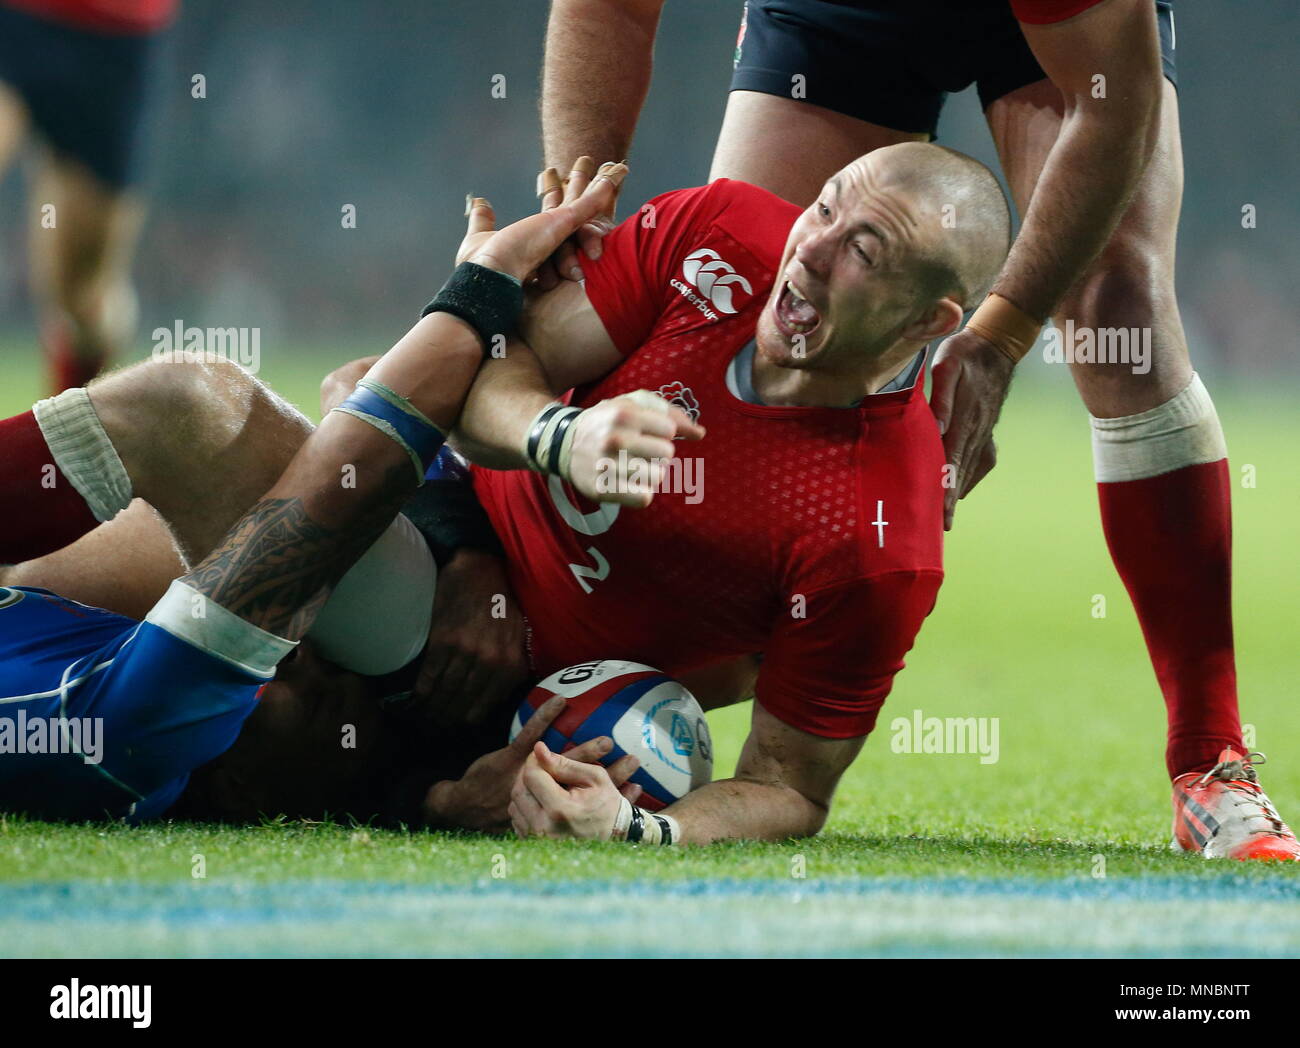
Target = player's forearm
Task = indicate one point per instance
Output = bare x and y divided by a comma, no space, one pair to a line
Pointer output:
1106,64
345,485
599,58
1087,183
746,810
505,398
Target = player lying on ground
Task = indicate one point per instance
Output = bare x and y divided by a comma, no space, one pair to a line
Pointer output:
777,581
203,441
171,692
796,339
1081,101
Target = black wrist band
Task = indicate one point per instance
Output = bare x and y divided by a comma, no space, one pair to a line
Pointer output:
636,828
557,442
488,301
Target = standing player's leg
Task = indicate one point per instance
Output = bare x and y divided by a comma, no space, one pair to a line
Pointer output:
1163,484
81,267
1158,448
13,125
86,93
790,147
812,93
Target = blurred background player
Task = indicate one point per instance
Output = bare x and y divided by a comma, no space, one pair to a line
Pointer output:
1081,101
76,75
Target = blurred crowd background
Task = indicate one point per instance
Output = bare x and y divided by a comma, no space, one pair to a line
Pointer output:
389,106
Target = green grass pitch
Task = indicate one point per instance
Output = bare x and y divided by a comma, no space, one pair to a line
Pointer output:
1060,847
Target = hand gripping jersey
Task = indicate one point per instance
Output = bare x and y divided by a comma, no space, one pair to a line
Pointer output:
812,535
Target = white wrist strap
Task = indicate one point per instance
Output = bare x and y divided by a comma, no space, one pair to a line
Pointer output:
548,443
636,826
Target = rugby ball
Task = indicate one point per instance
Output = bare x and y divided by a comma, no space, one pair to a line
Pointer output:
645,712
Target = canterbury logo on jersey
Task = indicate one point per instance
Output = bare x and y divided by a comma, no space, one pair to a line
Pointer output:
716,281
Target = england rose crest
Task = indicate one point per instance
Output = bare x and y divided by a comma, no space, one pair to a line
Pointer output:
681,396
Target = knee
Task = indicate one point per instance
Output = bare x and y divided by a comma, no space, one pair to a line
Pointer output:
169,402
214,390
1131,284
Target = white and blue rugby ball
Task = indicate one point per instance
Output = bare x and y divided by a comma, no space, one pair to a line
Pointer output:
645,712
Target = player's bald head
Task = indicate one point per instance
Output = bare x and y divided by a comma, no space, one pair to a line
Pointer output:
963,221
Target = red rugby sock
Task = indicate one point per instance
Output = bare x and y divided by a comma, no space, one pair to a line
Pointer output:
1170,537
1163,483
40,511
67,365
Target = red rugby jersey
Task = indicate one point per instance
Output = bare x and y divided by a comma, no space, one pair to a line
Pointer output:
107,16
1045,12
817,535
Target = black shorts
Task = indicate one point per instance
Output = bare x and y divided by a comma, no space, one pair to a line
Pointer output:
893,62
87,92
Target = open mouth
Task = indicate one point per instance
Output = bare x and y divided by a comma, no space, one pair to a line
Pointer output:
794,314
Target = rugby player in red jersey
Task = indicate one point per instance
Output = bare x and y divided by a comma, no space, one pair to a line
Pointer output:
795,339
78,74
1081,100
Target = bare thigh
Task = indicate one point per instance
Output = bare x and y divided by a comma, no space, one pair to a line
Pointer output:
201,443
123,566
791,148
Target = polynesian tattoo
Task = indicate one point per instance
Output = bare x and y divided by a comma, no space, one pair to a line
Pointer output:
276,567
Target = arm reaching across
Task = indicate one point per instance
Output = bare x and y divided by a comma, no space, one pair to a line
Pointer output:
277,566
1106,64
565,344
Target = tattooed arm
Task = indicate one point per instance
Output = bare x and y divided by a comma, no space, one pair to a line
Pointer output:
277,566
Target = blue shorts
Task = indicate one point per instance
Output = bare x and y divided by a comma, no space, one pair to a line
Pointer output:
89,93
104,716
893,62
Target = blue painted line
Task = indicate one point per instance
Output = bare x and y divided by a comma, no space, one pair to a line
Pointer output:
127,895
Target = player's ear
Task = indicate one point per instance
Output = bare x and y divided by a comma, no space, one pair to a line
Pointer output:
942,318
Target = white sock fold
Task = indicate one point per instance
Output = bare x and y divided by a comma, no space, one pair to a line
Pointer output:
1183,431
83,452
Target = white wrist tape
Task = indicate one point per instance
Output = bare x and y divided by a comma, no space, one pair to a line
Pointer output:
548,444
636,826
